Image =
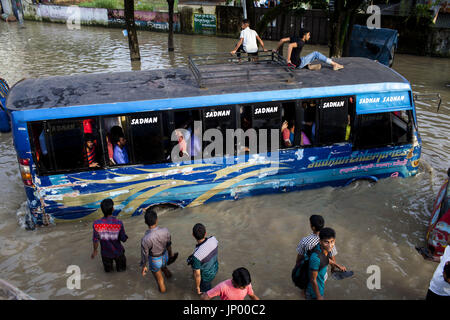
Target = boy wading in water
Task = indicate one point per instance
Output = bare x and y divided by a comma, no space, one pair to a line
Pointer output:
318,263
295,48
156,248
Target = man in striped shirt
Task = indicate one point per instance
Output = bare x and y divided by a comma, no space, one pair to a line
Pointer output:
204,259
109,233
310,242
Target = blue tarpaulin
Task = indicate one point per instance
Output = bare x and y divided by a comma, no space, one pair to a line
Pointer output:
375,44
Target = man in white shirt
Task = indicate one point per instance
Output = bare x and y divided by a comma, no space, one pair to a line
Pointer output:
440,283
247,41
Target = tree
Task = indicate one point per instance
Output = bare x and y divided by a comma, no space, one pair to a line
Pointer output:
170,40
341,15
131,30
342,20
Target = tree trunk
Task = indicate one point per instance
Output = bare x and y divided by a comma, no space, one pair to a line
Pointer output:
170,40
131,30
341,26
271,14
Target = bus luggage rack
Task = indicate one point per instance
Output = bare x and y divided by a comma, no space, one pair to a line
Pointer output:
223,68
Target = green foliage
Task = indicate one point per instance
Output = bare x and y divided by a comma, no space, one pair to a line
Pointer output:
143,6
107,4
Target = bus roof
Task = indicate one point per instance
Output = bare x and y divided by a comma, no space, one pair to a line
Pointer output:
103,88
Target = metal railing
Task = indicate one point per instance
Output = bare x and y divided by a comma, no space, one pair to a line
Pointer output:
223,68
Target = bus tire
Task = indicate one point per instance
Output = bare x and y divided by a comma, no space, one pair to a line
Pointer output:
355,182
164,207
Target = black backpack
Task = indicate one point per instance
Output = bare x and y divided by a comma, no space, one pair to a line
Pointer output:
300,273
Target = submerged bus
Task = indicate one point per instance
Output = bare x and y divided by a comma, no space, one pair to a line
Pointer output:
346,125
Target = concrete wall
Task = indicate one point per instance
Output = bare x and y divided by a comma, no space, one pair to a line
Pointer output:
61,14
156,21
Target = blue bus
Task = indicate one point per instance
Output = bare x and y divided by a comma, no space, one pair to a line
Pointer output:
5,125
83,138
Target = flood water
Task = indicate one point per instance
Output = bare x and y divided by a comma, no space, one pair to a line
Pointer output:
375,225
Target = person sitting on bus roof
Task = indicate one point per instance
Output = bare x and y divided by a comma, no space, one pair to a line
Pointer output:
89,153
294,49
247,42
120,151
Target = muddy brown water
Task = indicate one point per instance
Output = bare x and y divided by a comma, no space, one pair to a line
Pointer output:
375,225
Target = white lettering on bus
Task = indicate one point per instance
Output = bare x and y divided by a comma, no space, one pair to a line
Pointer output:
393,99
369,100
222,113
266,110
385,99
333,104
144,120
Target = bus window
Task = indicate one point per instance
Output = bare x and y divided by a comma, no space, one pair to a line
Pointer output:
73,145
220,118
350,119
38,137
265,118
401,126
116,140
146,137
333,120
374,130
184,128
309,121
288,126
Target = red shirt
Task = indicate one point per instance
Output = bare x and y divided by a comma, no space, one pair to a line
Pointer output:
227,291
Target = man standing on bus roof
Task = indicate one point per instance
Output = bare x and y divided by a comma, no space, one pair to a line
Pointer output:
204,259
120,155
295,48
110,232
247,40
156,248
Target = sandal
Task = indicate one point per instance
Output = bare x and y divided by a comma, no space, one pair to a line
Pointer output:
172,258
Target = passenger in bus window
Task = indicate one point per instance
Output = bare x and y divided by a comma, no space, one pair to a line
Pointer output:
182,144
348,128
121,151
89,151
287,130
